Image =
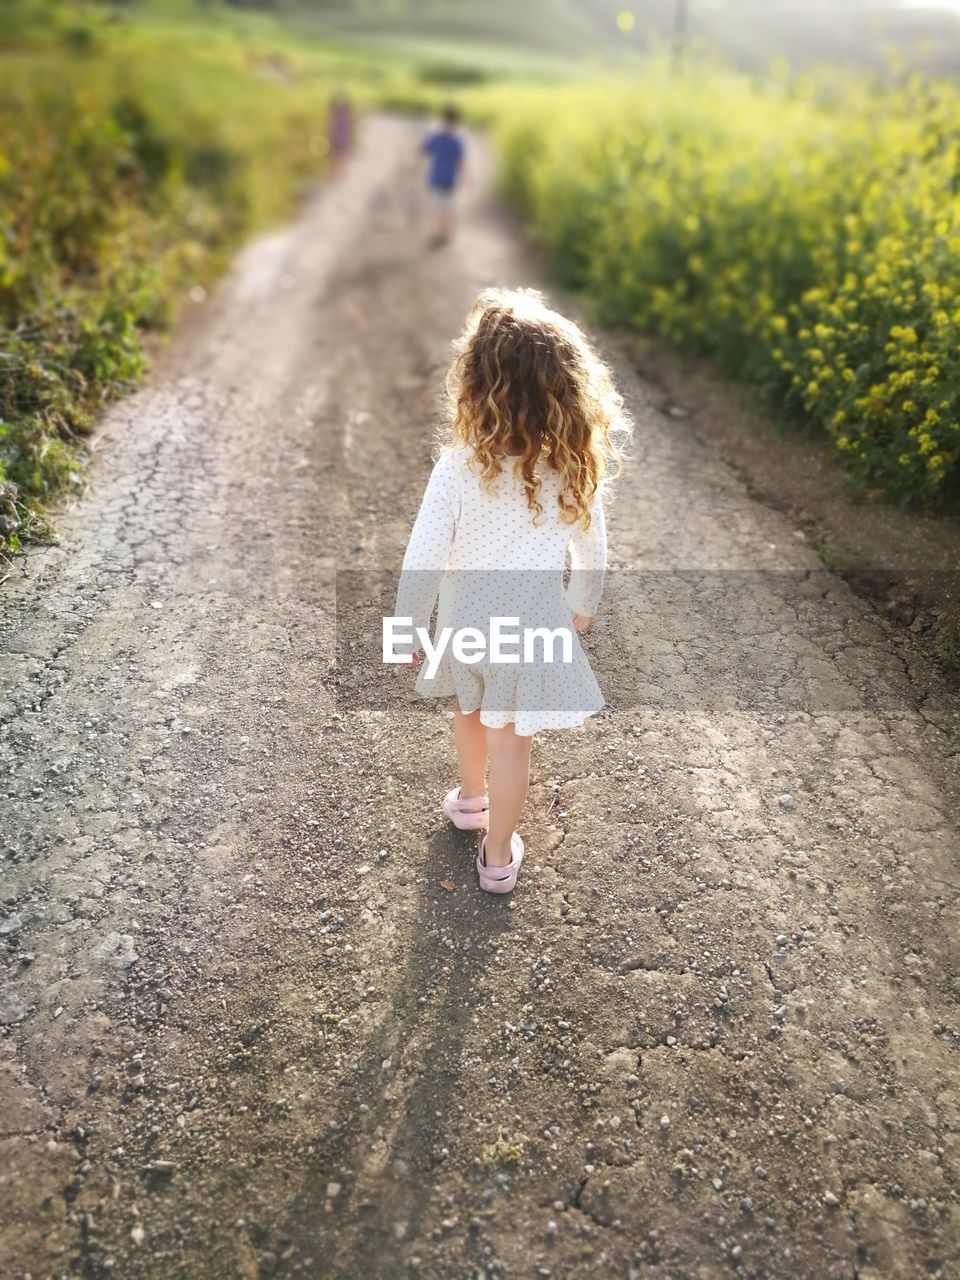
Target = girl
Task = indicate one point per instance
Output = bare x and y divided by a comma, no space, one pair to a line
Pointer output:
534,420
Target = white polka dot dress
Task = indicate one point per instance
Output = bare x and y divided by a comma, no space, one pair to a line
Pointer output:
478,554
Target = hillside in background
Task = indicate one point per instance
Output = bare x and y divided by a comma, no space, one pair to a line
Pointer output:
550,35
750,32
565,26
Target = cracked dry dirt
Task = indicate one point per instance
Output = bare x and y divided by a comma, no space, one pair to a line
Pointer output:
247,1032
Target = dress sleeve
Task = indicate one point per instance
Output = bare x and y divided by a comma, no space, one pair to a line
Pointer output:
588,559
429,545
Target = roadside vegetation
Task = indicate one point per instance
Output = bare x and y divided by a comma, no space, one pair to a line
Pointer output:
803,232
136,151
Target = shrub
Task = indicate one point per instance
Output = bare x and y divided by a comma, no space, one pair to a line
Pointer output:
804,233
119,189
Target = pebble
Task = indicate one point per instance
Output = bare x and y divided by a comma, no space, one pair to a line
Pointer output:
118,950
760,1172
333,1190
786,802
13,924
830,1200
12,1008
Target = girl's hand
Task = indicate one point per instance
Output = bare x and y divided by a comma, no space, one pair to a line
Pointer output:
581,621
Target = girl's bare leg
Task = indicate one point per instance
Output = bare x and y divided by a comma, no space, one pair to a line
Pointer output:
471,739
509,756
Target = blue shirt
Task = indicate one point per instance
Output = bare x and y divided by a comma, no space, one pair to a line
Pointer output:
446,153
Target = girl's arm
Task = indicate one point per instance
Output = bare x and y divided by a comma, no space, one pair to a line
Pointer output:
588,559
429,546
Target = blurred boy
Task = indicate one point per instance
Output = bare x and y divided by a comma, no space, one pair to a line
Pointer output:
445,149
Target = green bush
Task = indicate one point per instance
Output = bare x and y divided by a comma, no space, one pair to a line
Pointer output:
455,74
121,186
803,233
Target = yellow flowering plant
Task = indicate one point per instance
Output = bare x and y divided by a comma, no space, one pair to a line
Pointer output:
802,231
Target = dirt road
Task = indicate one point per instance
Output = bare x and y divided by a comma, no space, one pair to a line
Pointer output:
246,1030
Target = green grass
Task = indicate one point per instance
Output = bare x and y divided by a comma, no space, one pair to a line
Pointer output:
566,28
135,154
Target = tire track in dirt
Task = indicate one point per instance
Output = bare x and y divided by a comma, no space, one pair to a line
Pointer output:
322,1062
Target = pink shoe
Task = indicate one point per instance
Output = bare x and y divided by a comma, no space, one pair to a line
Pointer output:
468,815
500,879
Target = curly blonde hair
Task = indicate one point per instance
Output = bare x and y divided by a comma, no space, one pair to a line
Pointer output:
526,383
